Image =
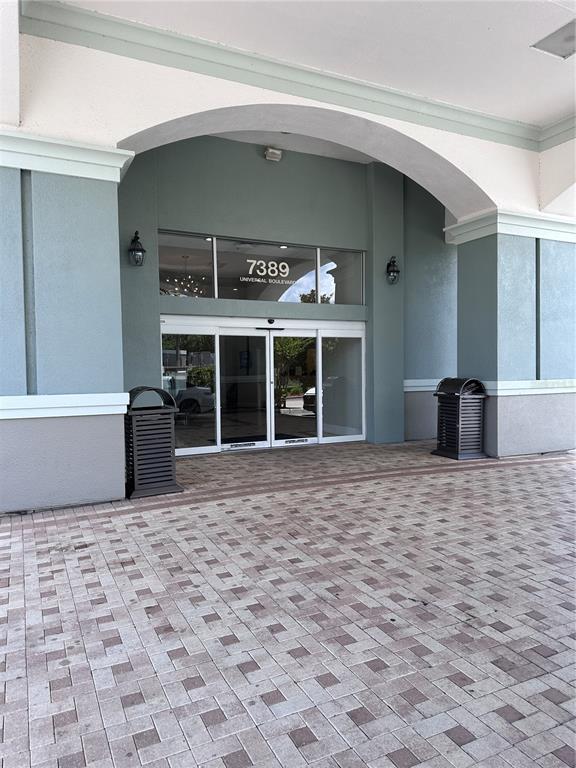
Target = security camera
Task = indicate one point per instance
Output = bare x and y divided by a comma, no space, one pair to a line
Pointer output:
270,321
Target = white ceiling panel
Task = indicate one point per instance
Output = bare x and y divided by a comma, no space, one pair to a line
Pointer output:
474,54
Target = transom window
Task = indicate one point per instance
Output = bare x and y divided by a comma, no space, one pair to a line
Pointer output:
205,266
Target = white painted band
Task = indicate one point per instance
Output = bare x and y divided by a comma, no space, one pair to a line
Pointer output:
501,388
531,387
50,406
35,153
420,385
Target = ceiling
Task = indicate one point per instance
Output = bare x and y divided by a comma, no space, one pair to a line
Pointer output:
468,53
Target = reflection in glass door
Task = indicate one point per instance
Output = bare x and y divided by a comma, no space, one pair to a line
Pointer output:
240,386
244,390
294,381
189,374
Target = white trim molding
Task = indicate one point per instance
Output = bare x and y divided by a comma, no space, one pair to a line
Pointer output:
36,153
538,225
50,406
531,387
420,385
69,24
501,388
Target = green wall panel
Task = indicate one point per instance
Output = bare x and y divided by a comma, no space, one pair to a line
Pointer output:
228,188
385,305
557,310
478,308
430,286
215,186
12,313
76,285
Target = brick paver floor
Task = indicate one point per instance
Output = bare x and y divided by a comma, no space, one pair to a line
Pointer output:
340,606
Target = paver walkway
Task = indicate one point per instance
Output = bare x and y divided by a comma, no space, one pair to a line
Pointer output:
342,605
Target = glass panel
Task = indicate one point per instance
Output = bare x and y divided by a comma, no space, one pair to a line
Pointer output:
188,373
340,277
243,383
341,386
186,265
266,272
294,387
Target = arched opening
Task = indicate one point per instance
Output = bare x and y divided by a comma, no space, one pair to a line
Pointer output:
451,186
264,240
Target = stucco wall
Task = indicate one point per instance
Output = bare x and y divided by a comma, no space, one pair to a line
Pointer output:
58,461
516,309
430,305
12,342
536,424
557,273
76,285
215,186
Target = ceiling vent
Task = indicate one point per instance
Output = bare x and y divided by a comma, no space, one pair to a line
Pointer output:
561,43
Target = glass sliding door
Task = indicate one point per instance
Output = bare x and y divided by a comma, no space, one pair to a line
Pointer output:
294,382
238,385
189,374
244,390
342,388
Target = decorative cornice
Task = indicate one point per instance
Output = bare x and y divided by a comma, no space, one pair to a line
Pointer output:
557,133
504,388
69,24
50,406
543,226
35,153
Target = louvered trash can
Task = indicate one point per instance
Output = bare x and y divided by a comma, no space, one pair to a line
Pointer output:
150,444
460,419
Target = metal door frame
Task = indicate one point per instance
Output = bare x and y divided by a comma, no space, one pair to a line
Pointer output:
289,333
224,326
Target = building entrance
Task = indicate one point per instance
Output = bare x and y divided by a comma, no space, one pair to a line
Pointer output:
239,384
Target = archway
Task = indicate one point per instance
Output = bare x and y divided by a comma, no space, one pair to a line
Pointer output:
451,186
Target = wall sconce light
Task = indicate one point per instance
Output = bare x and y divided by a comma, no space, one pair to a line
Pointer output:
136,251
392,271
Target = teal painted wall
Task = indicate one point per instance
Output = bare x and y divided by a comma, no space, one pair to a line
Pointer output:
497,308
215,186
224,187
385,305
557,319
430,287
12,341
477,315
76,285
228,188
516,342
516,309
140,285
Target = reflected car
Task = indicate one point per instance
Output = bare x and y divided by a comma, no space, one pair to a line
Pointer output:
310,400
195,400
310,394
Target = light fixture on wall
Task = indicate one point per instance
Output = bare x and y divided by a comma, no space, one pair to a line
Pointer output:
136,251
271,153
392,271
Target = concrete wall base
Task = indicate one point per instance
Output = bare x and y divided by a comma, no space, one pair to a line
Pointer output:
53,462
524,424
420,415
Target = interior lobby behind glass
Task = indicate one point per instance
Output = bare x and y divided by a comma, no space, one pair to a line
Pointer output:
341,386
188,373
266,271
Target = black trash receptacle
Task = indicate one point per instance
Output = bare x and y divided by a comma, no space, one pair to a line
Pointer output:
460,418
150,444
